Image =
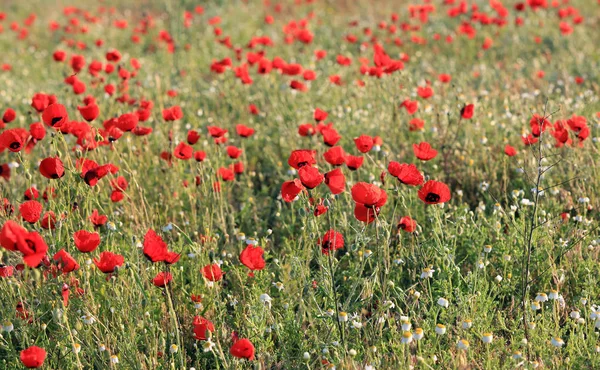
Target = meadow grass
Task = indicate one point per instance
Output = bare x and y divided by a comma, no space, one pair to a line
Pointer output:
475,264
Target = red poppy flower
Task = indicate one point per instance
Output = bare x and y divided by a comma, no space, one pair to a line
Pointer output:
365,214
120,183
9,115
220,140
407,224
109,89
510,151
31,211
6,271
331,241
199,155
59,56
309,75
320,54
127,122
560,133
368,194
302,157
425,92
335,181
320,209
416,124
9,235
33,357
32,246
77,63
291,189
238,168
216,132
330,136
354,162
253,109
13,139
37,131
172,114
252,257
41,101
108,262
306,130
406,173
162,279
291,69
297,85
410,106
320,115
117,196
244,131
66,263
335,156
183,151
424,152
155,249
201,327
95,67
97,219
242,348
529,139
233,152
434,192
212,272
565,28
55,115
91,172
578,123
141,131
192,137
86,241
78,87
226,174
52,168
364,143
467,111
31,193
113,56
310,176
48,221
538,124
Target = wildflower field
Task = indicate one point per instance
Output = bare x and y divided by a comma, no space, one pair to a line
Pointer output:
299,184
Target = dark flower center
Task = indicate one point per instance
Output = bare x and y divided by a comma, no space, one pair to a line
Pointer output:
56,120
15,145
90,176
31,245
432,197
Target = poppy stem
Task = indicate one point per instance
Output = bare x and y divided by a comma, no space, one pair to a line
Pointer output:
174,318
335,299
531,226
